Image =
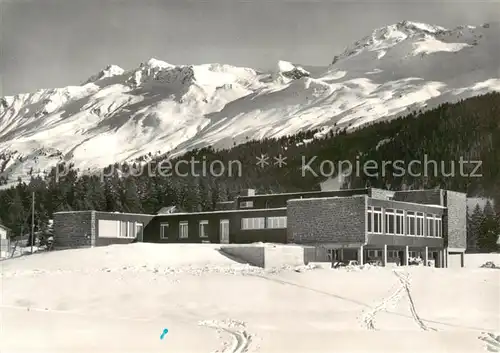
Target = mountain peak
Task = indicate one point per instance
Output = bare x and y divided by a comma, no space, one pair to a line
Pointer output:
413,27
157,64
108,71
291,71
388,36
407,66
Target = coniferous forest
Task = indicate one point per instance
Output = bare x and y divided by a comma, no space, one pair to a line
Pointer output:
468,130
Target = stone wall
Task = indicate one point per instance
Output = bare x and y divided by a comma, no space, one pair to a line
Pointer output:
267,255
277,256
253,254
315,254
455,220
74,229
327,220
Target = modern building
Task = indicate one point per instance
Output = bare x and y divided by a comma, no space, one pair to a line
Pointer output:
4,241
358,224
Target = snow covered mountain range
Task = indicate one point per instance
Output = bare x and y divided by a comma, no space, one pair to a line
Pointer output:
121,115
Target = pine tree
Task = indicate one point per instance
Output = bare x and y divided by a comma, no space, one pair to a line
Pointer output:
130,198
468,128
473,227
17,214
488,209
488,234
112,191
150,202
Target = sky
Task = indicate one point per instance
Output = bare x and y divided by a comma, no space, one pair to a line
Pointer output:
56,43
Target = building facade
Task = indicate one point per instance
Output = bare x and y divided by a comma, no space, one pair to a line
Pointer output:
91,228
358,224
4,241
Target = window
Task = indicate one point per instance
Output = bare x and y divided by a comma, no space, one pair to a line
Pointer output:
246,204
400,217
410,223
434,226
127,230
420,224
109,228
439,226
372,253
183,230
164,230
123,229
131,230
139,228
430,225
276,222
374,220
377,220
370,220
389,221
392,254
203,229
253,223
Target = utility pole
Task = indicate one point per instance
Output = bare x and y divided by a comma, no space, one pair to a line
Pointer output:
32,221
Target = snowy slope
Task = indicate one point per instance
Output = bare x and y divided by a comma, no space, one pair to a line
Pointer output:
121,115
120,298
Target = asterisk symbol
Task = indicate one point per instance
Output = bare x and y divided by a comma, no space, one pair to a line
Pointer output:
262,160
280,161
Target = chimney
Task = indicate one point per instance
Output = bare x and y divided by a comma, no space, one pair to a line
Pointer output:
247,192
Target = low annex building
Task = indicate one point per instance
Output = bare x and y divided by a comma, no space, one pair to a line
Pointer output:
358,224
4,241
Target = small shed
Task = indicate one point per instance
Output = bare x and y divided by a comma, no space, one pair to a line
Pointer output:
4,241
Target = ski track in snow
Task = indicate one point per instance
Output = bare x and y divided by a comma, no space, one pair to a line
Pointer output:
354,301
404,278
241,339
492,341
405,281
369,318
240,342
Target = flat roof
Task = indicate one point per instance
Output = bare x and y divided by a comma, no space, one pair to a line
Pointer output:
124,213
371,198
304,192
326,197
423,190
75,211
223,211
420,190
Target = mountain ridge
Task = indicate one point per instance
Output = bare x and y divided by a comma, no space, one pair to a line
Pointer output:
122,115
